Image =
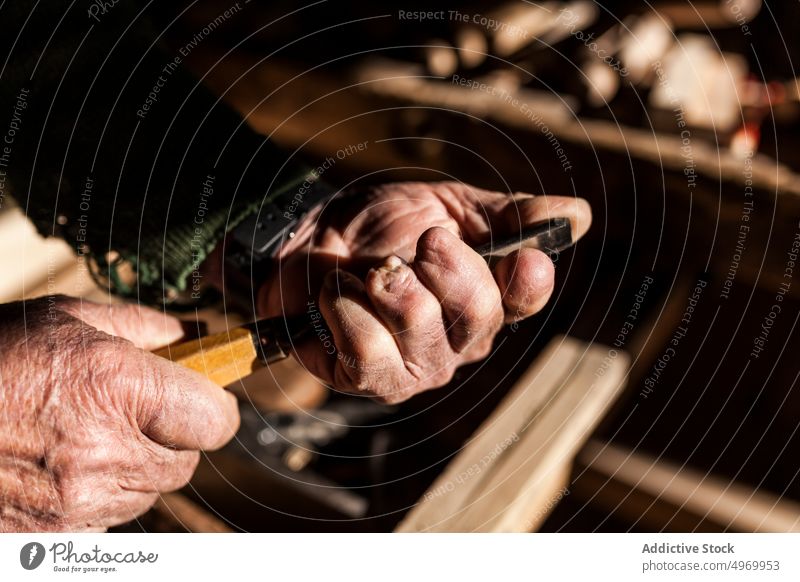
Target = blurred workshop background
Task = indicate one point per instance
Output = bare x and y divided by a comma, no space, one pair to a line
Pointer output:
678,121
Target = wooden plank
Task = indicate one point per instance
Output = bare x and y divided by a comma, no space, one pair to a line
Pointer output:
449,493
519,458
660,495
29,261
183,514
74,280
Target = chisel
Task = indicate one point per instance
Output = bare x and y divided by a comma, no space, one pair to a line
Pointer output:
238,352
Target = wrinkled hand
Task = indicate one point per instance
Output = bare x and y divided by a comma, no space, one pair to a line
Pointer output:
405,297
92,426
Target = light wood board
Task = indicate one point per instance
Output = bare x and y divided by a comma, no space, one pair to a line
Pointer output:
516,465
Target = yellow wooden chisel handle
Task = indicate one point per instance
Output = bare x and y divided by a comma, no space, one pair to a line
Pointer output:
223,357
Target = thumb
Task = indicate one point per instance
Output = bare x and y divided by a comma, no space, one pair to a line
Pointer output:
191,412
174,406
146,328
525,209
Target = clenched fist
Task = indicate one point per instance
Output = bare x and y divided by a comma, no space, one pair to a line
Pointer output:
92,426
405,296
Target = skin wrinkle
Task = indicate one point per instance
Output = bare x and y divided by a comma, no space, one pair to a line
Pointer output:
135,477
148,408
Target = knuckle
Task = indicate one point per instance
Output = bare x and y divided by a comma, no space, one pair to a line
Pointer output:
369,378
432,243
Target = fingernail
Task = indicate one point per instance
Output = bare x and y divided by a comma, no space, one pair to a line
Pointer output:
393,263
386,278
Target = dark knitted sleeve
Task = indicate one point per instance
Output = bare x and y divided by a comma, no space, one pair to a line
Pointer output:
110,144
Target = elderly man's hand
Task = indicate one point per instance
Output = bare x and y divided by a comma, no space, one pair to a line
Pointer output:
92,426
405,297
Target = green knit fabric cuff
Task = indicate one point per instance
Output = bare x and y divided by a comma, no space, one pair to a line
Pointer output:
164,265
